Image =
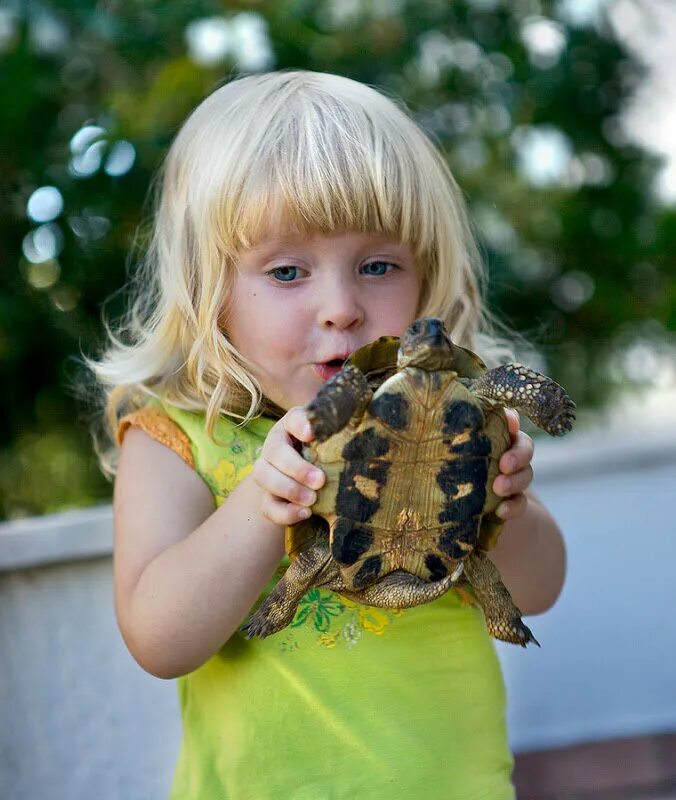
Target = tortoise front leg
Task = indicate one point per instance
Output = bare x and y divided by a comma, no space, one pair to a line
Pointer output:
503,618
537,396
343,397
313,567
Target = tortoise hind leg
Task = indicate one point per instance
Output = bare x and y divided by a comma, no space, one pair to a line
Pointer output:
539,397
341,398
312,567
503,618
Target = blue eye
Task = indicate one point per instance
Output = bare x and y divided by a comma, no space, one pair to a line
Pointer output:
377,268
284,274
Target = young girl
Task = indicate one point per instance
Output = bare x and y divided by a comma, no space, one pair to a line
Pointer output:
300,216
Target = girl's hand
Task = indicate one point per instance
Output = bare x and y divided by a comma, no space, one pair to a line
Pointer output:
287,480
516,472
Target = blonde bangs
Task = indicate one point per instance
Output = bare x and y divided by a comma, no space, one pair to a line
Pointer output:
318,162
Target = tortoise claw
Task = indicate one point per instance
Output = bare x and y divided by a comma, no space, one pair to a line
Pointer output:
513,632
258,626
562,422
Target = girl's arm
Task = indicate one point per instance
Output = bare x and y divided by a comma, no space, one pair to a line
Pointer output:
185,575
531,557
530,552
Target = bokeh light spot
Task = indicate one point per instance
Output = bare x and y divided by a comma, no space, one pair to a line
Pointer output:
543,153
47,33
209,40
44,275
85,137
43,243
45,204
580,13
243,37
120,159
544,39
89,227
572,290
86,164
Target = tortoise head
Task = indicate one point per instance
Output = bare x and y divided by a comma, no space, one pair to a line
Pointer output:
425,345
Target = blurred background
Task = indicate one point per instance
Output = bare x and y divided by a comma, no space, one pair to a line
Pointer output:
558,118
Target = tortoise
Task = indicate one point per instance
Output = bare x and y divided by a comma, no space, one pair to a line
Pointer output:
410,450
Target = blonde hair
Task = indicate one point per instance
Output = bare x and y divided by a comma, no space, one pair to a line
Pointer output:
322,153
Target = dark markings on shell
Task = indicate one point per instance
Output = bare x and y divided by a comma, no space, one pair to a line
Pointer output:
477,445
451,538
363,457
436,567
368,572
392,409
350,541
467,477
461,416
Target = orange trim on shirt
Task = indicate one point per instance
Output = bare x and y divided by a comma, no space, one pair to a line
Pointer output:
159,427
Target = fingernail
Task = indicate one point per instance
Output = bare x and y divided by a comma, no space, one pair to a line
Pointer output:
315,478
307,496
304,513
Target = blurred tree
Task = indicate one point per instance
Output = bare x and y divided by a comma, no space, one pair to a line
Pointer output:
524,98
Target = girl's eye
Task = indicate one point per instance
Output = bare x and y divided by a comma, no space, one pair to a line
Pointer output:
284,274
377,268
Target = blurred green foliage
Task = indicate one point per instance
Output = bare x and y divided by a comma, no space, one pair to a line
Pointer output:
523,99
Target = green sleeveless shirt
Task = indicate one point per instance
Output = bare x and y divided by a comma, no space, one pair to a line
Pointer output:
349,701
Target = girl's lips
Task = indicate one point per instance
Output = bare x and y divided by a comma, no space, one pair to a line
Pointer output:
326,371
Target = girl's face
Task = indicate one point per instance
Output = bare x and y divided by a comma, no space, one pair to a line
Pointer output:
300,306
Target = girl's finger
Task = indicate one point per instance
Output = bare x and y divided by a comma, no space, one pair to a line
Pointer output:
279,485
516,483
278,451
283,513
519,455
513,422
296,423
512,508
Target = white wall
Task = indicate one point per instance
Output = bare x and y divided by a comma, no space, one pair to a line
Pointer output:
81,720
607,666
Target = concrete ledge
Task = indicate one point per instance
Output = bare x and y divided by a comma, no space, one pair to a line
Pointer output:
55,538
606,450
618,446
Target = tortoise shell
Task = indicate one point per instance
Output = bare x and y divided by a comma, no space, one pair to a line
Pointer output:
378,362
409,486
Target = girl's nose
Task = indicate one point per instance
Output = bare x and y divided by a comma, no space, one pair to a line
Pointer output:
340,307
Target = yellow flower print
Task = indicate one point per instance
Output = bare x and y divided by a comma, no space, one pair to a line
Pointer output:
373,619
227,475
328,639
